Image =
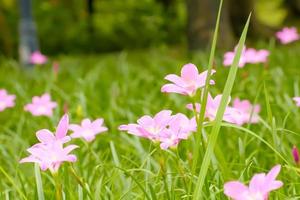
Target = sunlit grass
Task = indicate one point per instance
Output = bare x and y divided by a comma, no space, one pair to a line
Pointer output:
120,88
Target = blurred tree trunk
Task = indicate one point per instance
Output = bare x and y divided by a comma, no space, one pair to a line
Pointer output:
90,24
294,6
239,12
28,38
6,39
201,22
166,3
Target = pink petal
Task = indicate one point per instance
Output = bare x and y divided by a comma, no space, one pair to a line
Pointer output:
74,127
235,189
63,126
175,79
86,123
171,88
189,72
257,183
45,136
273,173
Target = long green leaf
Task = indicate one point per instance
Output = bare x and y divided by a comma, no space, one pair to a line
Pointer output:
218,121
13,183
205,93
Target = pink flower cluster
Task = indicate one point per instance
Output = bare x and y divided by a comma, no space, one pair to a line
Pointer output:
6,100
287,35
240,113
249,55
164,127
259,187
50,152
38,58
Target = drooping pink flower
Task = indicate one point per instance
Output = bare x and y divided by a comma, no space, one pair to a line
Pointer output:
297,100
231,115
46,137
41,106
165,128
50,156
189,81
179,128
38,58
259,187
295,153
6,100
256,56
249,112
88,129
287,35
229,56
50,152
149,127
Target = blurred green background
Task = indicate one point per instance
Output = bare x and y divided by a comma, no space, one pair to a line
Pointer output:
66,26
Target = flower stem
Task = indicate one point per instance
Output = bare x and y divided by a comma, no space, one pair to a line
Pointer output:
80,181
58,186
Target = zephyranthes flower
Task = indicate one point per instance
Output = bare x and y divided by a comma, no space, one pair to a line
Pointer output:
189,81
165,128
248,111
38,58
88,129
287,35
50,152
6,100
259,187
41,106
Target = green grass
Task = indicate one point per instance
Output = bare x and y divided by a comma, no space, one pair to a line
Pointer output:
122,87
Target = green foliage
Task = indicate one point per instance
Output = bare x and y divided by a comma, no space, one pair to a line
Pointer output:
121,88
66,26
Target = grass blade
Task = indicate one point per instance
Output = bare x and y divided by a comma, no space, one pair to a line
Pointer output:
205,93
218,121
39,183
13,183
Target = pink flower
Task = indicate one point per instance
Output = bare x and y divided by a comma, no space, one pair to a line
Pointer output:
246,109
88,129
295,153
165,128
189,81
287,35
41,106
297,100
46,137
6,100
37,58
229,56
50,156
149,127
256,56
179,128
231,115
50,153
259,187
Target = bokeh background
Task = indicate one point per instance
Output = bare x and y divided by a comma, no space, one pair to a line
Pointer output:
97,26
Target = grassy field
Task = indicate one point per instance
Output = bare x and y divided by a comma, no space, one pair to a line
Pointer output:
121,87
